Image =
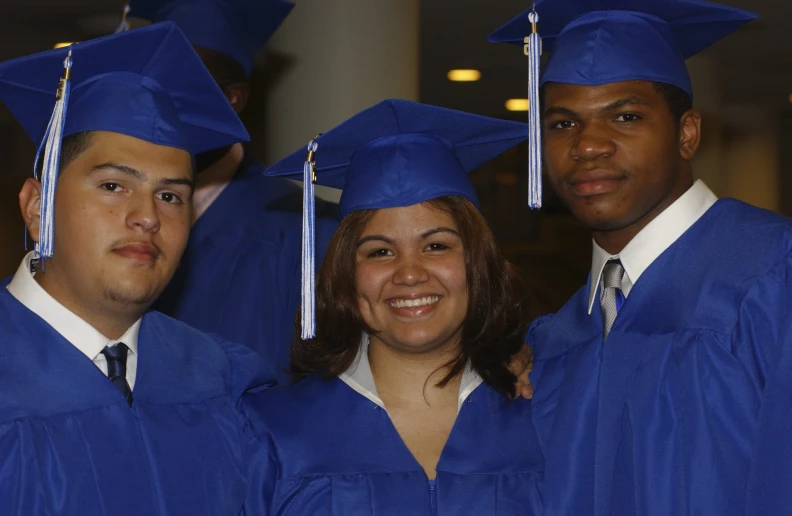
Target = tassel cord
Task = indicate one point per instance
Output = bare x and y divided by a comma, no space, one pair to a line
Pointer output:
308,311
50,147
124,25
534,52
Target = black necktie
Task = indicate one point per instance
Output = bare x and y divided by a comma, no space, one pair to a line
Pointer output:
116,368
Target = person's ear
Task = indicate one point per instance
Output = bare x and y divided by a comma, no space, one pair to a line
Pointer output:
689,134
237,94
30,206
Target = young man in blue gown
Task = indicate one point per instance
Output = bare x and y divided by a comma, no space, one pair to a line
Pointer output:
650,380
107,407
240,274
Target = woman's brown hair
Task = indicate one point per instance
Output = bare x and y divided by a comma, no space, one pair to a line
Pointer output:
494,326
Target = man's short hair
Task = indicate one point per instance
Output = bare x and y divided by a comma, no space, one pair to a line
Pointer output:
678,101
72,146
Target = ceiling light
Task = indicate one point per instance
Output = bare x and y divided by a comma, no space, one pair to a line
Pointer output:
464,75
517,104
64,44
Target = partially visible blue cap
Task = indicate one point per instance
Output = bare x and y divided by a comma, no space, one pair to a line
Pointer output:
146,83
400,153
595,42
235,28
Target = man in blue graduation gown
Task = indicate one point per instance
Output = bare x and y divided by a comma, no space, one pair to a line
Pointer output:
107,408
771,469
240,274
649,381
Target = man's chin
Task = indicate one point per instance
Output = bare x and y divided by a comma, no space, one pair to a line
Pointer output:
133,297
602,216
603,226
598,221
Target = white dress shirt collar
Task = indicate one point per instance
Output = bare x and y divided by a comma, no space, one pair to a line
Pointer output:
361,380
653,240
79,333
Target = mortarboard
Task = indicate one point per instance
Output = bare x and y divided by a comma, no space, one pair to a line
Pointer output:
396,153
147,83
595,42
235,28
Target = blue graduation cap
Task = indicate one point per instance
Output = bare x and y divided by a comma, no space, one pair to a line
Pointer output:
396,153
595,42
147,83
235,28
598,42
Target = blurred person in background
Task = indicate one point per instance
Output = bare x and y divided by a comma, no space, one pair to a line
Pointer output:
240,275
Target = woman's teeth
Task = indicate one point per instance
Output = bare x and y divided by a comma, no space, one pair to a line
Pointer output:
412,303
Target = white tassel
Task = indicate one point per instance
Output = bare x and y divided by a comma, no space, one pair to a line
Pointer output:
533,49
124,25
308,309
51,148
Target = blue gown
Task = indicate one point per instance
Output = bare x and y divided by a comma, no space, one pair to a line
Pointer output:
70,444
337,453
770,481
661,418
240,274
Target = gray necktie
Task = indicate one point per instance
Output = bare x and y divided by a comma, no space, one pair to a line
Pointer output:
612,275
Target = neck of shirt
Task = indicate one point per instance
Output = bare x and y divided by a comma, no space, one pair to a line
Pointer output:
87,339
360,378
652,240
211,182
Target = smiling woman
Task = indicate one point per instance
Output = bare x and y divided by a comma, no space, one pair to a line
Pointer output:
410,277
418,315
411,282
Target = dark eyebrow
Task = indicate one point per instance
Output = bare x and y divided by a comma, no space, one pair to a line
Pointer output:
561,111
629,101
424,236
439,230
137,174
613,106
140,176
186,182
374,237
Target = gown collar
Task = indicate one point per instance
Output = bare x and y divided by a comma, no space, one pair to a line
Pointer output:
360,378
78,332
653,240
